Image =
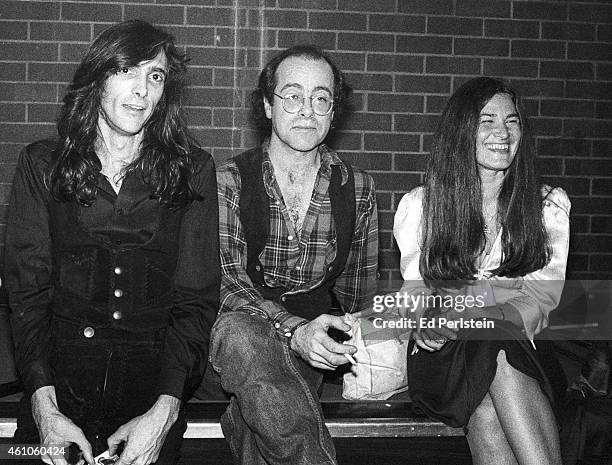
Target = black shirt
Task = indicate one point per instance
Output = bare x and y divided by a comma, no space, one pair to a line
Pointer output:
123,265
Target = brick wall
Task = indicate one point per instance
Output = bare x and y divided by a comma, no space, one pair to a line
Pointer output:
403,57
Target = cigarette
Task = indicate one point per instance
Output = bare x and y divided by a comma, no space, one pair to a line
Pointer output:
350,358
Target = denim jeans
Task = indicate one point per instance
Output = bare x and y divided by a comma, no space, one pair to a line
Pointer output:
275,415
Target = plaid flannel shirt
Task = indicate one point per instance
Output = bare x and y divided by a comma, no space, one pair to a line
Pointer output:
297,263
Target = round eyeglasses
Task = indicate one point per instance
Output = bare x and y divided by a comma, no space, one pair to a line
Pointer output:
321,104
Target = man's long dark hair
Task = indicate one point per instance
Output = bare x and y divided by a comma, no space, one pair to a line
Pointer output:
268,81
164,158
453,224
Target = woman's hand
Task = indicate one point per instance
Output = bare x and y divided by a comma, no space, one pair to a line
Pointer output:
433,332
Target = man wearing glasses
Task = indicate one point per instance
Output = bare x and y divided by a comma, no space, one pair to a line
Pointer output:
299,245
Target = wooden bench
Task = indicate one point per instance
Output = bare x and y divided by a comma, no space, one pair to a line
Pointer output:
345,419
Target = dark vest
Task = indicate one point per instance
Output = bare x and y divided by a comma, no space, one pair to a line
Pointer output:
84,279
255,218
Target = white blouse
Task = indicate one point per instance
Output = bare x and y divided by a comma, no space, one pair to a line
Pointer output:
534,295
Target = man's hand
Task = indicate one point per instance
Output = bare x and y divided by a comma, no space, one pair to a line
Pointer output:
56,429
313,344
144,435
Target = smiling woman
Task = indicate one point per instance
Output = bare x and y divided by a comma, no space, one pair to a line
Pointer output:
498,137
483,224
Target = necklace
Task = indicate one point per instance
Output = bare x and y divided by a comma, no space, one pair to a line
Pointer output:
490,223
113,167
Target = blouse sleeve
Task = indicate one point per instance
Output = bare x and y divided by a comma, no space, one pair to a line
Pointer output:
407,233
541,290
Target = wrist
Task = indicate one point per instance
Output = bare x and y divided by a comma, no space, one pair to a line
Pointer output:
44,406
44,398
294,330
167,404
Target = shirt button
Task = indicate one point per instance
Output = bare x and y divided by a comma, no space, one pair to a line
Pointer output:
118,270
258,267
329,268
283,298
298,267
287,334
117,315
88,332
277,325
120,211
290,237
118,293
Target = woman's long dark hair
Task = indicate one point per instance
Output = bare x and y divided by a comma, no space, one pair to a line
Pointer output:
453,224
164,158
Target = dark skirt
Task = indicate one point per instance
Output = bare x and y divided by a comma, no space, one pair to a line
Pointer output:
450,384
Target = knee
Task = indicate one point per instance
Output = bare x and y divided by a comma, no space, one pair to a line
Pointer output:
485,412
506,372
503,367
238,338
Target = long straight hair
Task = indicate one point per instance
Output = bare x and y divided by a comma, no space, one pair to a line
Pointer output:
164,158
453,224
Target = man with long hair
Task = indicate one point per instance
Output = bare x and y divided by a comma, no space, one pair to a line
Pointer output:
298,238
112,258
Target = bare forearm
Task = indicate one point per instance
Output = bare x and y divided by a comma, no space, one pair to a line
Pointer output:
44,402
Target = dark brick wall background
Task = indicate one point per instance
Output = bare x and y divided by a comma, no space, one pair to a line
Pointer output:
403,57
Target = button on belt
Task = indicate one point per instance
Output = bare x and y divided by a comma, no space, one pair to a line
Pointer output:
118,293
88,332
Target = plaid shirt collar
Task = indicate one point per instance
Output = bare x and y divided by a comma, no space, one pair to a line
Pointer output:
328,158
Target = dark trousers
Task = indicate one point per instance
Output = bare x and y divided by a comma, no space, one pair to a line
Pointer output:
103,382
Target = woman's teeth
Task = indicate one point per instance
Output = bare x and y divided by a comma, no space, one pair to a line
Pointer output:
498,146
